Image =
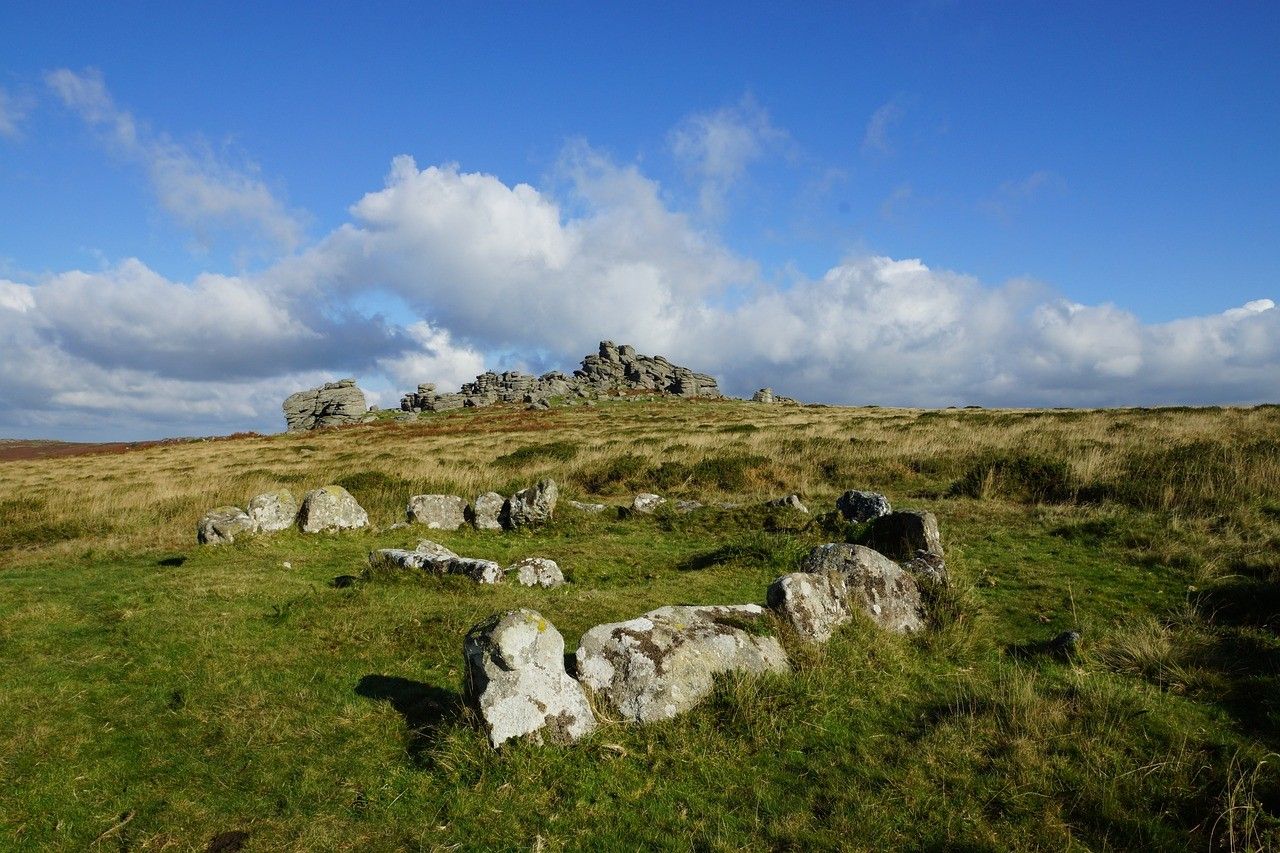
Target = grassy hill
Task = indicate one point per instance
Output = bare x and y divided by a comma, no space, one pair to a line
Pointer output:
159,695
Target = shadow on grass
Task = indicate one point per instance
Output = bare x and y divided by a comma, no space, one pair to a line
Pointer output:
426,709
171,562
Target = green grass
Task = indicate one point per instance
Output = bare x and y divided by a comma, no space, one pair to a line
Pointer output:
166,693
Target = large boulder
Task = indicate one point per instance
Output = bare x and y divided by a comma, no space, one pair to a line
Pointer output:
272,512
480,571
332,404
330,508
814,605
532,506
903,533
486,513
517,682
858,506
219,526
875,584
537,571
437,512
664,662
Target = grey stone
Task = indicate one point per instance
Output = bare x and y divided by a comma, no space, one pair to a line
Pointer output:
901,534
664,662
764,395
486,513
815,605
532,506
646,502
480,571
926,565
858,506
686,507
273,511
790,502
332,404
428,556
517,682
537,571
330,508
437,512
220,525
875,584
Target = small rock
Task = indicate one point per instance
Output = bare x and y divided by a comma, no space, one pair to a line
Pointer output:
791,502
486,513
437,512
219,526
664,662
330,508
903,533
286,565
646,502
517,682
813,604
686,507
537,571
532,506
585,507
862,506
273,511
875,584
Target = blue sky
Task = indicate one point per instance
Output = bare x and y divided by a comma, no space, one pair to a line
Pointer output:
1113,163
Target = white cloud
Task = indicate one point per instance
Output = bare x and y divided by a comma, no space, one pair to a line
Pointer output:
875,140
13,111
717,147
200,190
482,267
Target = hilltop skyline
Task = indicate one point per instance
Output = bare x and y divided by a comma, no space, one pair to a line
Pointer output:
940,204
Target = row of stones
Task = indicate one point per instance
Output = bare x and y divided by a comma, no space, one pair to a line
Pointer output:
664,662
434,558
332,508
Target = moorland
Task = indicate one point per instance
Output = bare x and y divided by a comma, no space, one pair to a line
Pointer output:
155,694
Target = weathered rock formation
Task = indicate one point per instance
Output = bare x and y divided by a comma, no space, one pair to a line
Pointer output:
517,682
530,507
434,558
537,571
332,404
486,512
858,506
437,512
272,512
664,662
613,369
902,534
814,605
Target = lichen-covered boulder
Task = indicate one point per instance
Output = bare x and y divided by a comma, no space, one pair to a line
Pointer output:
537,571
901,534
814,605
647,502
517,682
875,584
532,506
664,662
486,513
272,512
428,556
437,512
858,506
330,508
480,571
219,526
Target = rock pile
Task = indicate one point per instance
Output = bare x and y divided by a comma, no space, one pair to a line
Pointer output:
325,509
613,369
332,404
766,395
434,558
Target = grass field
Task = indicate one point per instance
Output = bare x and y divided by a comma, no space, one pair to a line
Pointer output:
158,695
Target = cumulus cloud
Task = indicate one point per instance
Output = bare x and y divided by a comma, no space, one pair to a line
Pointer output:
477,269
717,147
200,190
876,140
